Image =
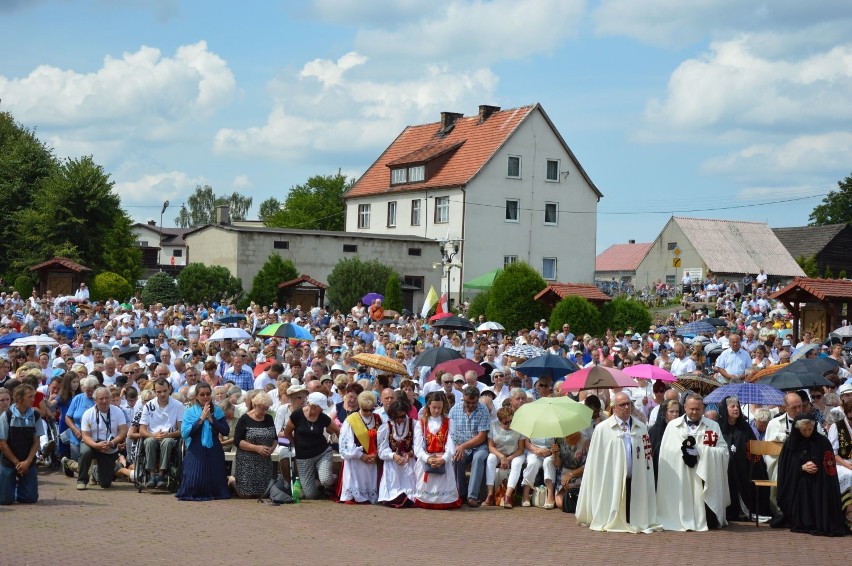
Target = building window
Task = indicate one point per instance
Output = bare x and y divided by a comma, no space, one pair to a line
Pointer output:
281,245
513,208
670,280
553,170
413,281
398,176
363,216
415,212
442,210
415,251
350,248
671,246
509,260
416,173
551,213
142,243
514,170
548,268
177,253
392,214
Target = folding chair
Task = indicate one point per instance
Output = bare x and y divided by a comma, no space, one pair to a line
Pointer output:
761,448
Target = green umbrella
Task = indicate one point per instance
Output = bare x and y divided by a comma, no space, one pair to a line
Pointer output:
483,281
551,417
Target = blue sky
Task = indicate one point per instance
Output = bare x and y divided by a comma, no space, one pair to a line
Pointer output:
670,106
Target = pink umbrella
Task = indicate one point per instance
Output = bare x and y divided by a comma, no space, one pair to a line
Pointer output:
597,377
439,316
648,371
457,366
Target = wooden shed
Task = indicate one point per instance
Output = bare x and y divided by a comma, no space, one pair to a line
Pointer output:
60,276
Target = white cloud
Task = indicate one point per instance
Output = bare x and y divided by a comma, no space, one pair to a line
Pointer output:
325,110
764,194
734,88
155,188
242,182
143,92
807,153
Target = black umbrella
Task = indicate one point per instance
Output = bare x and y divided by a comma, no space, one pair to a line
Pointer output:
128,351
548,365
802,374
718,322
454,323
434,356
86,324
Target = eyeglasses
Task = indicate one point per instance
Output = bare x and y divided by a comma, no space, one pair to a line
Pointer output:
816,397
446,382
626,404
507,423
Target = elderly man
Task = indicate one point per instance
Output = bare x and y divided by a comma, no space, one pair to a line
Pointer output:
693,472
470,378
387,398
104,428
681,363
617,493
733,362
469,426
110,371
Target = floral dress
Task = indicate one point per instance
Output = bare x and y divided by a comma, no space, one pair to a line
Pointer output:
573,457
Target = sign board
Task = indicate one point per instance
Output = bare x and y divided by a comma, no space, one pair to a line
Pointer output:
677,252
675,262
696,273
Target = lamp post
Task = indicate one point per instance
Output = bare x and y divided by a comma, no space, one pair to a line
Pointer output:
449,250
160,248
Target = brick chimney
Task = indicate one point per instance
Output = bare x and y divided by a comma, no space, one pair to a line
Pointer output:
631,241
485,111
449,118
152,223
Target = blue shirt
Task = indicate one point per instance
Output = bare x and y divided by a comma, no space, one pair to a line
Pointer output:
463,427
68,331
244,379
79,405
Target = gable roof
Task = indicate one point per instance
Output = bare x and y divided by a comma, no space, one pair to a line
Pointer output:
472,142
822,289
302,279
170,236
64,262
622,257
562,290
807,241
728,246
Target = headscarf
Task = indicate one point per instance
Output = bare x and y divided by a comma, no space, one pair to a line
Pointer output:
191,416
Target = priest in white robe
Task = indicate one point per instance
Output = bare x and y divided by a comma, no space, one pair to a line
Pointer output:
617,493
693,472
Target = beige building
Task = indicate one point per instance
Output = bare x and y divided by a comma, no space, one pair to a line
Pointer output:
244,249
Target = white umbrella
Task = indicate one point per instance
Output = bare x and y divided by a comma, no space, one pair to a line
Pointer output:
843,332
229,333
489,326
38,341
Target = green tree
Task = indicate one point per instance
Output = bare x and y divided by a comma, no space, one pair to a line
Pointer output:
479,304
268,208
842,274
393,294
316,205
580,313
24,285
199,283
200,208
121,254
808,265
352,278
621,313
511,302
829,274
160,288
109,285
25,162
836,207
264,287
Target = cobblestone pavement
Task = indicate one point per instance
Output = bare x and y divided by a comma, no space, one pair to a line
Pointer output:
118,525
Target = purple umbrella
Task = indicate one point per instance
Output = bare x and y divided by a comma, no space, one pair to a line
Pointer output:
370,297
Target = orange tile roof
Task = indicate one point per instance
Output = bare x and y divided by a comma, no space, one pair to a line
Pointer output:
64,262
426,153
622,257
822,289
302,279
480,142
562,290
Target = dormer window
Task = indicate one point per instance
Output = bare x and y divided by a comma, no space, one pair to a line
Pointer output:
399,176
416,173
413,174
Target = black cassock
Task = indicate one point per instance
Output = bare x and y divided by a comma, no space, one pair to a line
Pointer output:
739,465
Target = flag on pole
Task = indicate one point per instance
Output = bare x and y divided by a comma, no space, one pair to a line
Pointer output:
442,305
431,299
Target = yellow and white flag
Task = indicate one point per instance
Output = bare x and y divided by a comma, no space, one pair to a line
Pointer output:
431,299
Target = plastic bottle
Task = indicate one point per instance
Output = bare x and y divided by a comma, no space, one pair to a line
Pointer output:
297,490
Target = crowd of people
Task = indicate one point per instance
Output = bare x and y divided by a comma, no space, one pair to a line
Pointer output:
141,392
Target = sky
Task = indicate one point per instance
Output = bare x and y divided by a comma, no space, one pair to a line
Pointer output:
729,109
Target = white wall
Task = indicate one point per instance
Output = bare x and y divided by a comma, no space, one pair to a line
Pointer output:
658,261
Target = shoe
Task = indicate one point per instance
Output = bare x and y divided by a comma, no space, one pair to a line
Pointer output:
48,448
471,502
549,506
66,467
152,483
507,505
525,504
81,486
161,482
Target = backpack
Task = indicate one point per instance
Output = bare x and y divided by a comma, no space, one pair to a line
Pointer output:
279,492
569,500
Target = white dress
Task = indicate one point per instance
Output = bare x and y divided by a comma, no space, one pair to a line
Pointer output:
844,476
434,490
396,479
359,480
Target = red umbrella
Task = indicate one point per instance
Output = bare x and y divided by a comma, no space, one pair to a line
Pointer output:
439,316
649,371
458,366
597,377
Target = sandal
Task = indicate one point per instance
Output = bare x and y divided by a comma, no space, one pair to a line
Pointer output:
507,505
489,501
525,504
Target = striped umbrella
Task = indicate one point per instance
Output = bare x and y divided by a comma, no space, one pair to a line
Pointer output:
748,393
693,328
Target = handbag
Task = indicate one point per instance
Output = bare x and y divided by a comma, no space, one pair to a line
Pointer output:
439,471
569,500
500,494
539,496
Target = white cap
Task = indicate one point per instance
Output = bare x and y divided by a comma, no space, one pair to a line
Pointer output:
845,388
786,343
143,350
150,359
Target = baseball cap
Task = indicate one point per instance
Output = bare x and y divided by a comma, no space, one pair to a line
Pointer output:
786,343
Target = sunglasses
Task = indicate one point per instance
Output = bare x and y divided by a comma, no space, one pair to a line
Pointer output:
623,404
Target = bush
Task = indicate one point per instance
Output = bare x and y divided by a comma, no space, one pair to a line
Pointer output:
24,285
511,302
581,314
264,287
160,288
393,294
352,278
478,305
109,285
621,313
199,283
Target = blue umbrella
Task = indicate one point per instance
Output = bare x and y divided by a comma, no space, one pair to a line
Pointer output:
86,323
699,327
755,317
149,332
370,297
547,365
802,351
232,318
748,393
7,339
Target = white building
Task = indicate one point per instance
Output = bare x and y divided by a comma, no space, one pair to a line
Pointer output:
162,248
498,187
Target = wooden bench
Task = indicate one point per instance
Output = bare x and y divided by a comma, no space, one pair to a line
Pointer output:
761,448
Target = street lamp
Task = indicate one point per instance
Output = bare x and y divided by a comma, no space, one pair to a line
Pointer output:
160,249
449,250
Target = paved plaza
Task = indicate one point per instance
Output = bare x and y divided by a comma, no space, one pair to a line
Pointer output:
121,526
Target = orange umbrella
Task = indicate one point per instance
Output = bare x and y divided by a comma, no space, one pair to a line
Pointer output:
764,372
381,363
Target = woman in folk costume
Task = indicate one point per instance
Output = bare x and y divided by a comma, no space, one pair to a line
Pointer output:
396,449
359,450
434,448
